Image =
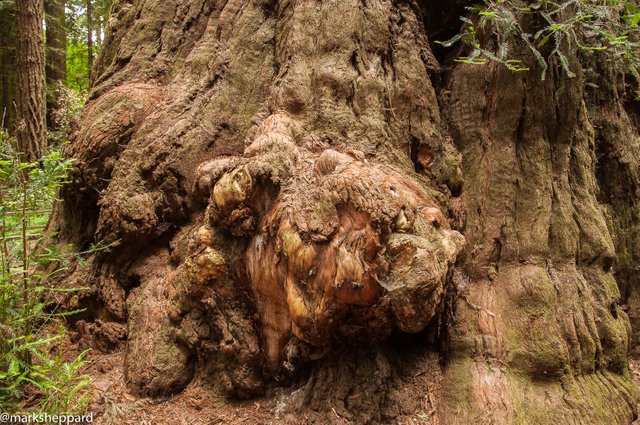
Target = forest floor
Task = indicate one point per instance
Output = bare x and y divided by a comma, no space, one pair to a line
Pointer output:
416,393
415,399
112,404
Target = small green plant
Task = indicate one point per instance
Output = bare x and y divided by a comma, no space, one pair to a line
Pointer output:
549,29
31,331
63,386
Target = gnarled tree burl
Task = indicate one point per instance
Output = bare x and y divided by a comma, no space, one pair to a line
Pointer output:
293,181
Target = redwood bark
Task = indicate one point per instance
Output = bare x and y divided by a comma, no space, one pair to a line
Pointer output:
90,38
7,66
31,128
293,182
56,53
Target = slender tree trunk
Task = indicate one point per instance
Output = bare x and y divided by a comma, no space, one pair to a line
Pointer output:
294,182
99,30
56,53
7,66
31,128
90,38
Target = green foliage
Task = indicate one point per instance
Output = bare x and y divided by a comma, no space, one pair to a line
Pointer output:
77,51
77,69
7,4
549,29
31,334
62,383
76,54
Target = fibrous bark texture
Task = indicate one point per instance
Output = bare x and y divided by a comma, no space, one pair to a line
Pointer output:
542,305
56,54
31,127
291,182
89,38
7,66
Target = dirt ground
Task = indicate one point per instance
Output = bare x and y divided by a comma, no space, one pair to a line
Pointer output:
414,400
197,405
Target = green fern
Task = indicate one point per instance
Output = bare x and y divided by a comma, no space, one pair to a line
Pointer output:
30,348
610,27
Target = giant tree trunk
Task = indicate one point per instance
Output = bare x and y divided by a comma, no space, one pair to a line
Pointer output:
291,182
31,128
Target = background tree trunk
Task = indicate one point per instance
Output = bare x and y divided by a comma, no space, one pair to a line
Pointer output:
89,38
99,29
7,66
289,182
31,128
56,53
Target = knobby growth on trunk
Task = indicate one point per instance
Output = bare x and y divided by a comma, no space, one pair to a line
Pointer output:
291,182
